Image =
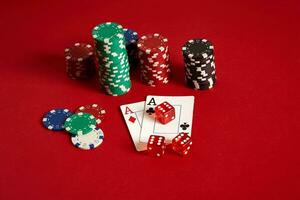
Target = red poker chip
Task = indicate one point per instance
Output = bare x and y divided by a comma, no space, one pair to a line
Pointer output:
143,55
162,71
157,67
94,109
154,63
155,80
79,52
161,56
152,43
154,59
79,74
155,74
155,77
153,83
80,61
144,60
154,53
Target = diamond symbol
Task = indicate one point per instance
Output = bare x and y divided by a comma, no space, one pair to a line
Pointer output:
132,119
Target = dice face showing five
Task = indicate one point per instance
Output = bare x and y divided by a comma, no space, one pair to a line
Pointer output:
164,112
156,145
182,143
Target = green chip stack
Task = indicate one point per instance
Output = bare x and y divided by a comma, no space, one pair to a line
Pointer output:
112,58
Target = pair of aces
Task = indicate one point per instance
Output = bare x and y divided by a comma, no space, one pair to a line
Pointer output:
141,124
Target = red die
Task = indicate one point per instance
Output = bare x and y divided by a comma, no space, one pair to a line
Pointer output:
156,145
164,112
182,143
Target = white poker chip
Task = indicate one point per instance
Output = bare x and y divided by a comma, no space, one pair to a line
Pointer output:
90,140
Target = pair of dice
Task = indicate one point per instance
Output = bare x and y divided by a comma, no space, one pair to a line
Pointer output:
181,144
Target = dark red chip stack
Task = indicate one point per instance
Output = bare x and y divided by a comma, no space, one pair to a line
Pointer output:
154,59
80,61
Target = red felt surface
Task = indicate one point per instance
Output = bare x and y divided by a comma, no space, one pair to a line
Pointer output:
246,131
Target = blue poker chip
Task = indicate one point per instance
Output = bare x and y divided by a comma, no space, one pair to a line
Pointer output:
55,119
131,37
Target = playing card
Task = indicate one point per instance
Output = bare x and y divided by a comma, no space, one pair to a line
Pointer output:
184,107
133,115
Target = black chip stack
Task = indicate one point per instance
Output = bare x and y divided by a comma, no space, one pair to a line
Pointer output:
200,69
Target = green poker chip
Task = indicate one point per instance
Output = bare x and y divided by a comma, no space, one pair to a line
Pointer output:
112,58
107,31
80,123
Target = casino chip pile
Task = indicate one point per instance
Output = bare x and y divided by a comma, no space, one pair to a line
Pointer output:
112,58
154,59
131,39
200,69
82,125
80,61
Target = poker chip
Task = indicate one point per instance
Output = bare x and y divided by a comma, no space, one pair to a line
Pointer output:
93,109
80,61
131,39
154,59
80,123
112,58
55,119
91,140
131,36
198,49
152,43
199,62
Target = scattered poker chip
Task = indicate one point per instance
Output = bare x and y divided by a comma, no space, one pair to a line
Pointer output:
91,140
80,61
80,123
112,58
93,109
55,119
200,68
154,59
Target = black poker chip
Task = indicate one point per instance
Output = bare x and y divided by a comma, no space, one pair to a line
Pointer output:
200,68
198,49
201,85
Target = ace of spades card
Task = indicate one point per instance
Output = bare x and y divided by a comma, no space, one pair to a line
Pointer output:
133,116
184,107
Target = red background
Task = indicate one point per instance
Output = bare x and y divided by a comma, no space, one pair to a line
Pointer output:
246,130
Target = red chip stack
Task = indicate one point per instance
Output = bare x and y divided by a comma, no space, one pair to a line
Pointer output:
80,61
154,59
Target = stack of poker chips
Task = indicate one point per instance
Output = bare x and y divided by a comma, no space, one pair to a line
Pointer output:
80,61
154,59
200,69
112,58
131,39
